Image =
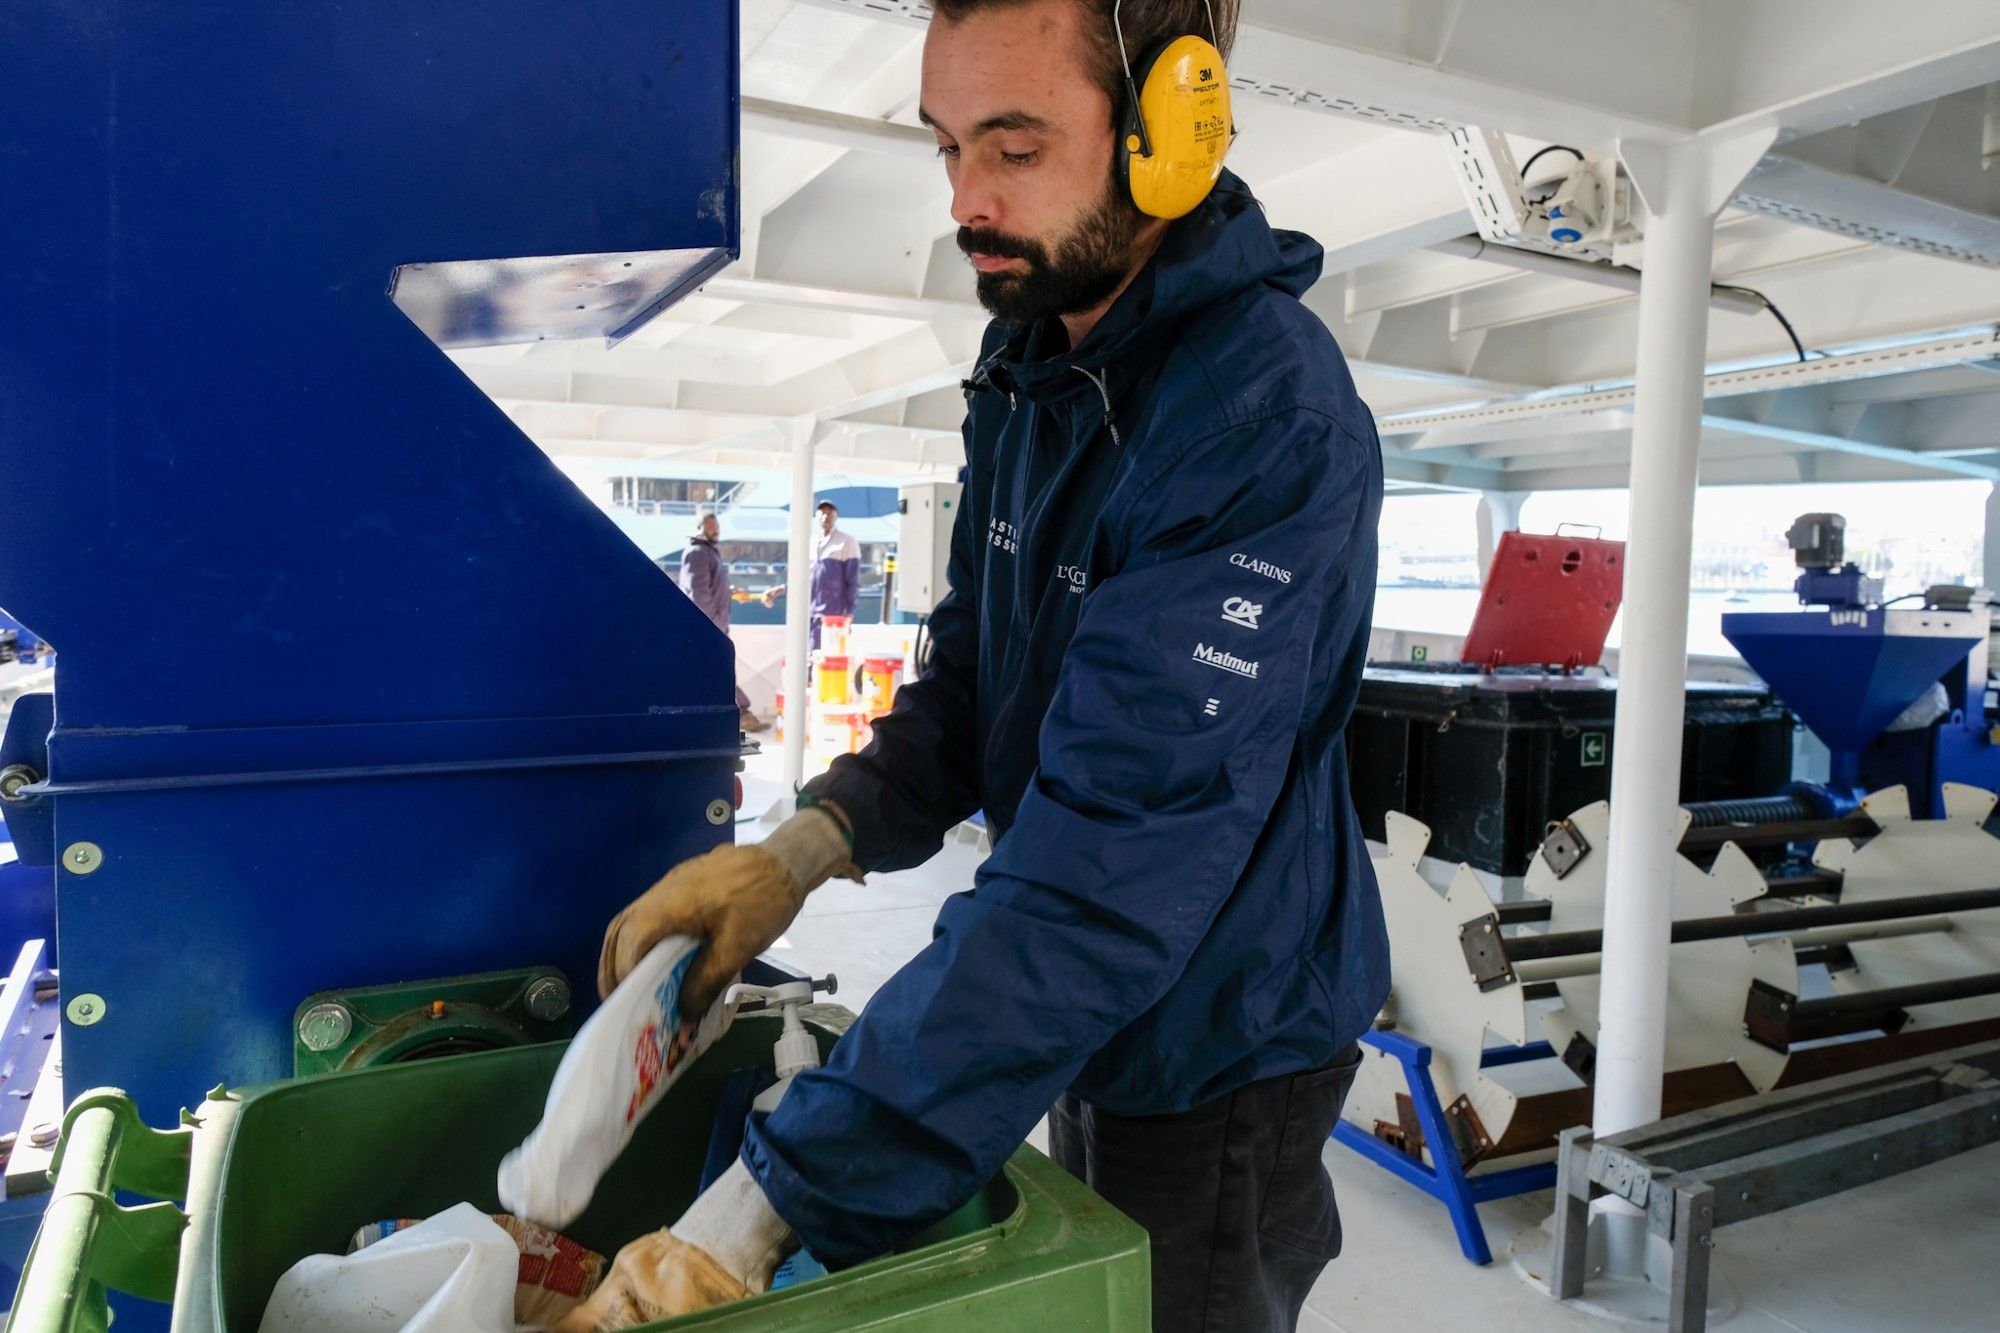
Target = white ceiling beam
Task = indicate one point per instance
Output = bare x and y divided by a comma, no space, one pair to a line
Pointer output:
923,309
1802,66
868,134
1616,277
1948,381
1970,421
1853,205
1395,63
917,359
1415,278
1618,453
1498,439
1589,444
1842,444
1413,199
769,180
908,13
624,424
945,377
1915,355
775,169
1624,70
1871,300
1441,476
913,308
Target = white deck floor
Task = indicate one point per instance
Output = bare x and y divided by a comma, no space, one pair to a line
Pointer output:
1921,1251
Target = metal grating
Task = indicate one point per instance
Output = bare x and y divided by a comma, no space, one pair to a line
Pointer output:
1861,231
1333,104
905,11
919,12
1788,374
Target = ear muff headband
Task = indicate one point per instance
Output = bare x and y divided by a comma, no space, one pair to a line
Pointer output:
1177,126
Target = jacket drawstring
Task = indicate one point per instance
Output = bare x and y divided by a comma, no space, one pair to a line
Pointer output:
982,380
1110,420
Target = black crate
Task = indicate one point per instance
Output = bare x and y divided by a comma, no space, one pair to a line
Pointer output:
1488,761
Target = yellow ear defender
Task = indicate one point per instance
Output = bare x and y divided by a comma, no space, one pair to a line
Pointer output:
1177,124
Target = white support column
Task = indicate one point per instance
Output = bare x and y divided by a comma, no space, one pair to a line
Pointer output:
1652,658
1991,573
1499,511
1683,184
798,601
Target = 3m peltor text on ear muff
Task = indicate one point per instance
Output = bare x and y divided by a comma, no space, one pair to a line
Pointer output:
1177,125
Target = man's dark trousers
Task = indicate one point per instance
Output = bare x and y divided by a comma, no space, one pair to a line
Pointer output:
1232,1193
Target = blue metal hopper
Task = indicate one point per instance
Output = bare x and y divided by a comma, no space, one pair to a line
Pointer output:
1848,673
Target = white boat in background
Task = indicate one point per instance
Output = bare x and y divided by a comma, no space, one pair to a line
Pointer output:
657,506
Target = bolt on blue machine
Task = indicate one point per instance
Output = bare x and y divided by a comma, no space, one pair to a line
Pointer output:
240,236
1899,695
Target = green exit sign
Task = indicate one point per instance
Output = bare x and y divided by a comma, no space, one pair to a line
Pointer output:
1595,745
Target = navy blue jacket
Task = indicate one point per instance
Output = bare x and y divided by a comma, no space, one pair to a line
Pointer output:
1161,580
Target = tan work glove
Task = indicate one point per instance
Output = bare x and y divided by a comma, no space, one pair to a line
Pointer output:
655,1277
725,1247
737,899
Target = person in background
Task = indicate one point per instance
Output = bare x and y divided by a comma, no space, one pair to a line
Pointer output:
836,575
705,579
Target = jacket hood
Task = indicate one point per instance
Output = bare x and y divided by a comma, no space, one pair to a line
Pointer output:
1223,247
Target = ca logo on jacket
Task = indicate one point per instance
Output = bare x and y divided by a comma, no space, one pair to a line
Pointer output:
1242,611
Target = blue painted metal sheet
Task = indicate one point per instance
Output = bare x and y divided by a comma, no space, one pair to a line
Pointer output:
1848,673
220,427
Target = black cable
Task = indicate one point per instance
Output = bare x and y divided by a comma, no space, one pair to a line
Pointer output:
1769,305
1544,151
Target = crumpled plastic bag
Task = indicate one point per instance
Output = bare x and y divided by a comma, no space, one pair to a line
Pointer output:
620,1064
555,1276
453,1273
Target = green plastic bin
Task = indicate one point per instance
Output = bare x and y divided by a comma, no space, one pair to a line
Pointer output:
277,1172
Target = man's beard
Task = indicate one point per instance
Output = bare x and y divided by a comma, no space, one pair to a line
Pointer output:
1086,268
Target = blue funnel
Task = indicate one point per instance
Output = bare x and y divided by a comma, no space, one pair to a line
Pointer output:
1848,673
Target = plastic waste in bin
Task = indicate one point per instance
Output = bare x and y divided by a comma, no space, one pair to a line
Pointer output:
273,1173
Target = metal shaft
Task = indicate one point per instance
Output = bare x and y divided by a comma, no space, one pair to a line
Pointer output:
1817,937
1565,944
1870,1002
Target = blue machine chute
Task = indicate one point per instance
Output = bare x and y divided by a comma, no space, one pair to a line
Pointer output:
354,687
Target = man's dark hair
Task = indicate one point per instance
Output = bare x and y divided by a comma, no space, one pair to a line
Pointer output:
1146,23
828,505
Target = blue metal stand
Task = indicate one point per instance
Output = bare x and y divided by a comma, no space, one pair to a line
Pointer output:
1445,1180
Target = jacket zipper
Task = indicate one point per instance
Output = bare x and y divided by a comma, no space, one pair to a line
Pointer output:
1110,421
